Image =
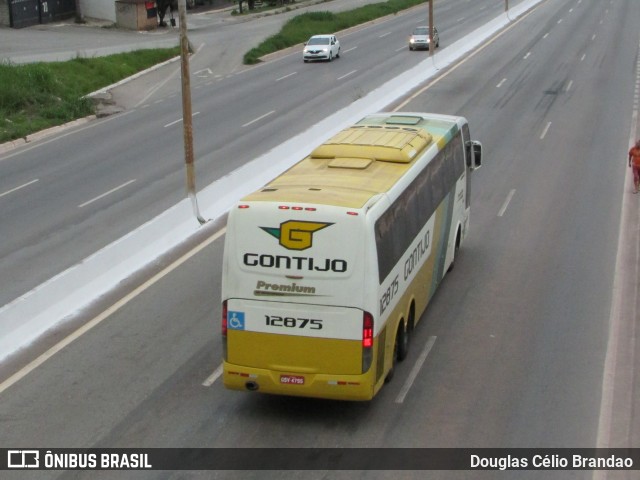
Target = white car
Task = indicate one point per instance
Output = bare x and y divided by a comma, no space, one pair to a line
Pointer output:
321,47
419,39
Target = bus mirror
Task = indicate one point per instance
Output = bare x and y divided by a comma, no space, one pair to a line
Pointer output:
476,155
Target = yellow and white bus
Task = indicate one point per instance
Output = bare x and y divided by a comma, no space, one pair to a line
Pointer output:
328,268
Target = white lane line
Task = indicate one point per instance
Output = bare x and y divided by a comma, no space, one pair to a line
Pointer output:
348,50
526,56
569,86
18,188
286,76
584,55
501,83
213,377
544,132
23,372
259,118
179,120
82,205
506,203
416,369
384,35
347,74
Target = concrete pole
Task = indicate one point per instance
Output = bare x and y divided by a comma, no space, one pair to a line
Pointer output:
187,116
432,47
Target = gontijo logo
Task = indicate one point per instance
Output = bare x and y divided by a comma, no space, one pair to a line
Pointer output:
296,234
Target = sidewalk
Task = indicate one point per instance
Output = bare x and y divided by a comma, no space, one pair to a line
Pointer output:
65,40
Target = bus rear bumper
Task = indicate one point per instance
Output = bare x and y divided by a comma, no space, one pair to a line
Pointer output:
336,387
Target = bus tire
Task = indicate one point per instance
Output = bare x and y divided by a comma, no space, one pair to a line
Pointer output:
394,361
455,251
402,342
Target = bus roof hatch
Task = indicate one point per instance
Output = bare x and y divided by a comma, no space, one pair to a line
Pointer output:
385,144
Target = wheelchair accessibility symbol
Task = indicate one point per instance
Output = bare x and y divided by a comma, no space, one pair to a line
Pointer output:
235,320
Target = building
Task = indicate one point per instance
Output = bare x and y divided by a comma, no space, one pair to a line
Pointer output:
24,13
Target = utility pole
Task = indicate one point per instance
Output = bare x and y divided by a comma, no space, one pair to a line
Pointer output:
432,47
187,116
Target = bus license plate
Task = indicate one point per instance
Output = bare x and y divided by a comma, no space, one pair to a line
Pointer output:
292,379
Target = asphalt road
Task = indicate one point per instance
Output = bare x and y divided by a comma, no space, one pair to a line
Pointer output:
67,196
519,328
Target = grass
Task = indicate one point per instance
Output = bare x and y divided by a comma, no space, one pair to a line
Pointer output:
300,28
41,95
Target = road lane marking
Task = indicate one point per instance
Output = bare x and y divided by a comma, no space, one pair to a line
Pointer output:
259,118
544,132
501,83
526,56
349,50
213,377
19,188
180,120
113,190
460,63
286,76
384,35
347,74
416,369
506,203
23,372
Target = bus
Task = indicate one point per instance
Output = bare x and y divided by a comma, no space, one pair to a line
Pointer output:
328,268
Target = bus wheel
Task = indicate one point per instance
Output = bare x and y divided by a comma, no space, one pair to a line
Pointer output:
455,251
402,342
394,360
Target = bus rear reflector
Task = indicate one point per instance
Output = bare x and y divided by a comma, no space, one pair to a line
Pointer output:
367,330
367,341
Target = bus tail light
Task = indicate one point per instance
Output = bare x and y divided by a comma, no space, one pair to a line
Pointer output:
224,330
367,341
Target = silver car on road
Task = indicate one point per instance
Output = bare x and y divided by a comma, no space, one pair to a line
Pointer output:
419,39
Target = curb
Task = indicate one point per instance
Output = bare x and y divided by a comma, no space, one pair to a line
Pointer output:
10,145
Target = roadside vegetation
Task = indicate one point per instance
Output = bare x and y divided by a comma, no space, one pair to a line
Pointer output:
300,28
42,95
